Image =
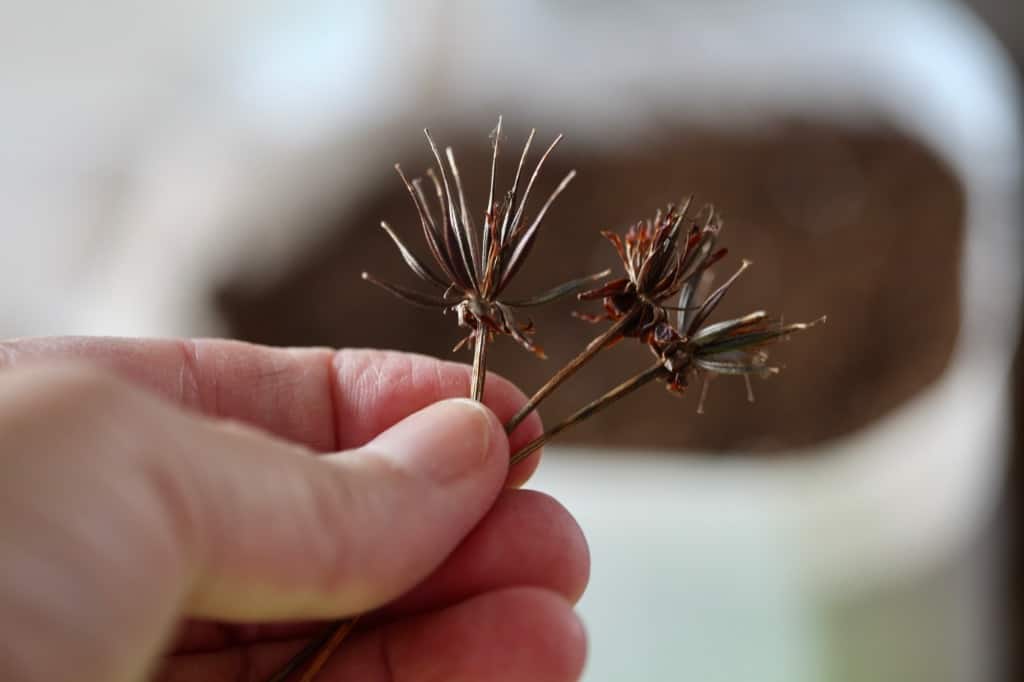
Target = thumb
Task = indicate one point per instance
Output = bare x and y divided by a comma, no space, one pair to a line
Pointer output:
120,514
289,536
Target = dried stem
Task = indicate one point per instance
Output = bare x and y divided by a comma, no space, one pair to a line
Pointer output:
337,637
571,368
479,375
322,647
592,408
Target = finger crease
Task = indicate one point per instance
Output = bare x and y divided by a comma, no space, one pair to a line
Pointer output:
334,401
7,354
245,666
387,660
189,393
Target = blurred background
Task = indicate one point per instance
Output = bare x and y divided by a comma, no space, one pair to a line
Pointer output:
219,168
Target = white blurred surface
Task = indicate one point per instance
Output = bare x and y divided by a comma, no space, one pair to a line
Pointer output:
697,571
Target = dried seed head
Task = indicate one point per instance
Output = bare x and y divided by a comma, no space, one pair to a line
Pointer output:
474,267
666,262
732,347
662,258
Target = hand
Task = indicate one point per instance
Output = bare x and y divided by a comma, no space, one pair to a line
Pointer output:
162,515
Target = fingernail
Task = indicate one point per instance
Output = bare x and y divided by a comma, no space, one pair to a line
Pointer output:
443,442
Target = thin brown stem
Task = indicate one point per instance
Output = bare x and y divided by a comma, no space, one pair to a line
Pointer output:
321,647
479,375
337,637
570,368
589,410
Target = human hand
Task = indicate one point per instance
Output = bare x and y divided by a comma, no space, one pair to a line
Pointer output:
163,516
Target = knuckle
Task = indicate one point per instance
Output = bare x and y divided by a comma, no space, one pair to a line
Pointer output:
83,382
7,354
64,392
66,409
82,393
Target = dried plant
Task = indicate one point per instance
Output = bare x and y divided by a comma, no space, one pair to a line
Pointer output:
656,269
475,270
661,257
666,265
732,347
478,267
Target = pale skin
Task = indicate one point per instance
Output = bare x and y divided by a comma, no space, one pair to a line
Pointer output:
185,510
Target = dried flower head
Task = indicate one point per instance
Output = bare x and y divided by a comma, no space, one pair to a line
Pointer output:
475,265
661,258
732,347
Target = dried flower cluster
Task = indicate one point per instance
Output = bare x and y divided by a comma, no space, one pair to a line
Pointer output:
660,299
657,268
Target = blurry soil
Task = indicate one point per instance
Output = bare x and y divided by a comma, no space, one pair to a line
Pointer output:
863,225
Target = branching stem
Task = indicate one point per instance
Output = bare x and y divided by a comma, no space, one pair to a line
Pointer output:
585,356
589,410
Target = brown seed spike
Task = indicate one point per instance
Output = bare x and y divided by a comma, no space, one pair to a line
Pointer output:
476,266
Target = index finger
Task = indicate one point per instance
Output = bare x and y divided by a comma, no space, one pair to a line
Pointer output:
325,399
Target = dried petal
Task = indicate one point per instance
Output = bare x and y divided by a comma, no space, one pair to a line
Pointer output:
559,291
412,261
414,297
525,241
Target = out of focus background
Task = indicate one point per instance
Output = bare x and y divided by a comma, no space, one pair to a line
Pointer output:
219,168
